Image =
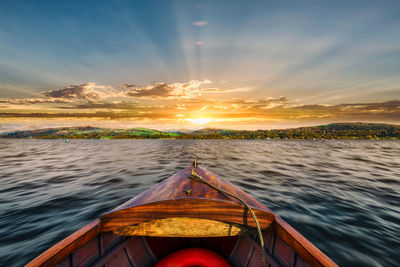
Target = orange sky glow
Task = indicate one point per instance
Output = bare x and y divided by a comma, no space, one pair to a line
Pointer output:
191,105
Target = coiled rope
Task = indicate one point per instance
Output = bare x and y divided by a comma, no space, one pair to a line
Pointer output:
261,240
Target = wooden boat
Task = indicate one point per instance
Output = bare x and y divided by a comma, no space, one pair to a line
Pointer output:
181,212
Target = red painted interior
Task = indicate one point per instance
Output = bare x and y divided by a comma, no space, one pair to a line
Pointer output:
193,257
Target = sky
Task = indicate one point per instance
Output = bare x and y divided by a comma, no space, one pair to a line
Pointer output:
193,64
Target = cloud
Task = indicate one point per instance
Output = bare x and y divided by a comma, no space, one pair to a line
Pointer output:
387,107
82,94
105,105
199,23
259,105
128,85
27,101
386,111
190,89
87,91
390,106
157,90
223,90
163,90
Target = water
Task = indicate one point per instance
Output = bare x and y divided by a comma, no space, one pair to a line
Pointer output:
344,196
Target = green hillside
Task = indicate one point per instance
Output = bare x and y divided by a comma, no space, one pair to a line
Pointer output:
330,131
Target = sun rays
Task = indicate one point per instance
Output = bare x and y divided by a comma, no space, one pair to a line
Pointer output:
181,64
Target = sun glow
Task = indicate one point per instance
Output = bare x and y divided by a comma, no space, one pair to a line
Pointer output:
199,120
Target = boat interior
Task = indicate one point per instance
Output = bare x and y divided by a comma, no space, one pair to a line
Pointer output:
109,249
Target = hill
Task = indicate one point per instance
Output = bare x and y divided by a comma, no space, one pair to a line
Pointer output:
89,133
330,131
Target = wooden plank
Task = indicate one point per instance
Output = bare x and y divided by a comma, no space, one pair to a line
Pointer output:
223,211
87,253
108,240
242,252
268,236
182,227
139,252
219,183
110,256
304,248
271,262
61,250
256,257
65,263
227,186
300,262
176,186
120,259
283,253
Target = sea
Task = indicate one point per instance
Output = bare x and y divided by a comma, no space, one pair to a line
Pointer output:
343,196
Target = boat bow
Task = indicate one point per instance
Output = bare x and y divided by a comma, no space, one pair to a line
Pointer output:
187,207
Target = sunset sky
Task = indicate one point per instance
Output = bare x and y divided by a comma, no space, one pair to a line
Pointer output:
195,64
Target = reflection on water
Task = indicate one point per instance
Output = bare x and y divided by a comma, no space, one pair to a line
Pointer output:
344,196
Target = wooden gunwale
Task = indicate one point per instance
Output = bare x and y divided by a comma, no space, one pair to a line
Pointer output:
65,247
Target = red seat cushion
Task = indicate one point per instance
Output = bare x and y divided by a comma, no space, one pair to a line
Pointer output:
191,257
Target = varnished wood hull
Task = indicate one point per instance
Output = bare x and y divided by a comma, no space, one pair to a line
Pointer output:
172,216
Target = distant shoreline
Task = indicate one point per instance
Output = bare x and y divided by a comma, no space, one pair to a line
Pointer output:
337,131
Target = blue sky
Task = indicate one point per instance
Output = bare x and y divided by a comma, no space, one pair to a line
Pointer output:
310,52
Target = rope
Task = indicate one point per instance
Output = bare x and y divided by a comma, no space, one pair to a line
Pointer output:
194,174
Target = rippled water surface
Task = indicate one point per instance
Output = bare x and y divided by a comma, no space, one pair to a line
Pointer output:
344,196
